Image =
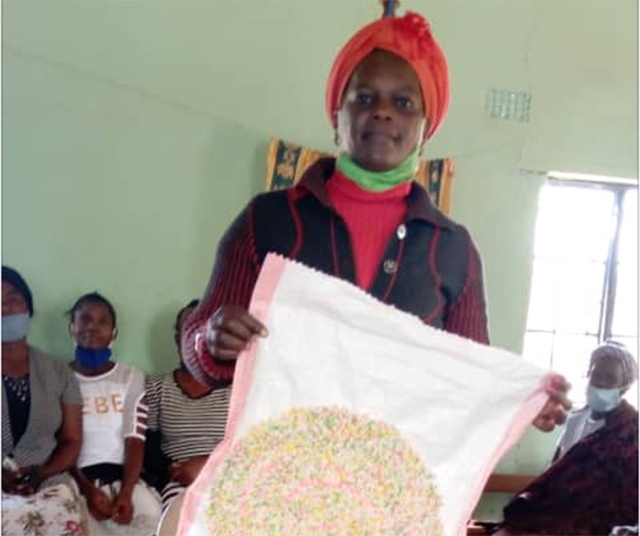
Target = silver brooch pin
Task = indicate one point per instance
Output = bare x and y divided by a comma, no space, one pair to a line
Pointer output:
390,266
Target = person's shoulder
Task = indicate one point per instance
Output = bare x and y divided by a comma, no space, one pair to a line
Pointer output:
271,197
155,386
130,372
629,411
422,207
157,380
311,182
157,377
47,362
578,414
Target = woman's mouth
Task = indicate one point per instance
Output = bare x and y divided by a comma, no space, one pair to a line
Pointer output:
379,137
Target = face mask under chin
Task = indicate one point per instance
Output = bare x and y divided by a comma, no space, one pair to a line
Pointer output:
92,358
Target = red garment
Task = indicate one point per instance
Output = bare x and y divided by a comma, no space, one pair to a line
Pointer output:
591,489
371,217
408,37
436,275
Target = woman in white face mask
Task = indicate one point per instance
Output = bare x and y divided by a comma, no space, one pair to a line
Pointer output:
592,485
41,425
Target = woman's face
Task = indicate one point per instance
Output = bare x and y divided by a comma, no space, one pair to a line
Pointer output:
13,303
381,119
92,326
607,374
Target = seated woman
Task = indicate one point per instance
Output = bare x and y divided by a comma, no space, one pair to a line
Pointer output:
189,416
41,426
115,416
593,484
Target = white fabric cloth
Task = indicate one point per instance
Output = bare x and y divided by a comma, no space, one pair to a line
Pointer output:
113,409
459,404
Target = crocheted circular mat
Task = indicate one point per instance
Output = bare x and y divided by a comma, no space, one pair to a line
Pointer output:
323,471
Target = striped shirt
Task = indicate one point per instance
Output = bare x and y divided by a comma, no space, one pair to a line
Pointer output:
188,426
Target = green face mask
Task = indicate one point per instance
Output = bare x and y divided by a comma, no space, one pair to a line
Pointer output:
379,181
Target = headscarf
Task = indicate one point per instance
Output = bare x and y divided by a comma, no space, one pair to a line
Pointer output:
12,277
408,37
620,353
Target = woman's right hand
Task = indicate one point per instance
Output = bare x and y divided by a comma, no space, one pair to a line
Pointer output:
230,330
99,503
10,481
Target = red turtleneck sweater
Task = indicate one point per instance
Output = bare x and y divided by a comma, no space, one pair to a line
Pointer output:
371,218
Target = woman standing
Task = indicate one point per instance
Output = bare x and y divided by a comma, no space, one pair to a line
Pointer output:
359,217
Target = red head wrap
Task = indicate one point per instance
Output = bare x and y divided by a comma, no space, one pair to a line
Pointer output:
408,37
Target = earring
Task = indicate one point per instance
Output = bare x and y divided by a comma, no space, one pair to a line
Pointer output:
336,138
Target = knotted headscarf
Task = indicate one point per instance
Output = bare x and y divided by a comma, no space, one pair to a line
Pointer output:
408,37
619,352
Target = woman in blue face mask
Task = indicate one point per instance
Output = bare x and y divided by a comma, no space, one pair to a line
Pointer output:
592,485
115,419
612,370
41,424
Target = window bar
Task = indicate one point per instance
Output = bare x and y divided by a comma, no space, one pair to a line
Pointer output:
611,272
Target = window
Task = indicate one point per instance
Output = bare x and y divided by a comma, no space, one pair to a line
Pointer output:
584,287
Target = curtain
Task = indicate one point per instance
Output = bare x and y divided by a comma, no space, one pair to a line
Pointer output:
286,162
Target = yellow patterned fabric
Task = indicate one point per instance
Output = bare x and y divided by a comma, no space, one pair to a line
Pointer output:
286,162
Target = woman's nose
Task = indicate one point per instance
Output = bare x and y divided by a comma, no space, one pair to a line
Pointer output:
382,110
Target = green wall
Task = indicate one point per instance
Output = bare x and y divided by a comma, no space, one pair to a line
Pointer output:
134,131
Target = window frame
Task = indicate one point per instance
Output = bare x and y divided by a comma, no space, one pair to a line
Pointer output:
610,278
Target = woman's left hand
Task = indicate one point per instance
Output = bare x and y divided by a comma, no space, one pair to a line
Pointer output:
29,479
555,410
186,471
122,509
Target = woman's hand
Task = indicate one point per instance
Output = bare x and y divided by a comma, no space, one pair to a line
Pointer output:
9,481
230,330
123,508
29,479
99,503
555,410
186,471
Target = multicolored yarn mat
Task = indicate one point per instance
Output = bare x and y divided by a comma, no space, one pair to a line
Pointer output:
323,471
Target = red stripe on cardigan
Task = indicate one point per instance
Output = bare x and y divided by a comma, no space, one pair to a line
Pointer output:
437,278
234,275
297,223
467,315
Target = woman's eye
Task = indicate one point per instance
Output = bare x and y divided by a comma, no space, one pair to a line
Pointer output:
404,103
363,99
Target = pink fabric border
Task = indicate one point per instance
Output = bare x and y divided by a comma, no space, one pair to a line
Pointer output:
523,418
266,285
272,270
